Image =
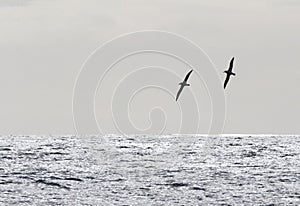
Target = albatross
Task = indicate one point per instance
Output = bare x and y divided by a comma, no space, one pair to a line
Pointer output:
229,72
183,84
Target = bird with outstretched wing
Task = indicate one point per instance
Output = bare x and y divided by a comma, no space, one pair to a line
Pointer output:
229,72
183,84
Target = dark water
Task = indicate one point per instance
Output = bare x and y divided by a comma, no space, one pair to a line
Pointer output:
150,170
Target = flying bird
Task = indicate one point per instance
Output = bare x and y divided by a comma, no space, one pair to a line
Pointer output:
229,72
183,84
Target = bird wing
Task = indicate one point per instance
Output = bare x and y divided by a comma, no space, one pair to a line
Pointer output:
226,80
187,76
179,91
231,64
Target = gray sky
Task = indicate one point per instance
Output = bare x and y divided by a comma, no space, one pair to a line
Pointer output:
44,43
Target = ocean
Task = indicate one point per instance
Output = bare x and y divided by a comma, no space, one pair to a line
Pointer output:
150,170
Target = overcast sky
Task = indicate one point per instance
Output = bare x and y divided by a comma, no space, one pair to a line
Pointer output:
44,43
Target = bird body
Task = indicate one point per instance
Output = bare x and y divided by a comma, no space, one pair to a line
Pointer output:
229,72
183,84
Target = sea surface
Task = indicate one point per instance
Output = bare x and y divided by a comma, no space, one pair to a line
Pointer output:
150,170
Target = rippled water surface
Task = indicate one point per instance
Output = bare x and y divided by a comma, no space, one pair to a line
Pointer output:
150,170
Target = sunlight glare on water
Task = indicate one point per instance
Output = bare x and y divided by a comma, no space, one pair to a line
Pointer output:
147,170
